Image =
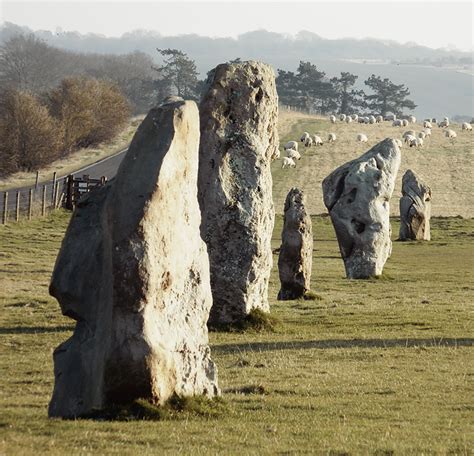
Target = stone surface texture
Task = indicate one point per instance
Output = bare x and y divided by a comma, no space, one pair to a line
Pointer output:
133,272
239,114
415,208
357,196
296,251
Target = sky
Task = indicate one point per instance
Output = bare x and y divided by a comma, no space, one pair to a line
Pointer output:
436,24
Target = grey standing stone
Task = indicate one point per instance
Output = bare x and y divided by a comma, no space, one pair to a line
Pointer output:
239,115
357,196
296,251
415,208
133,272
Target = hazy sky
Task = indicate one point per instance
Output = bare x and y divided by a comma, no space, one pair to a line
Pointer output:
434,24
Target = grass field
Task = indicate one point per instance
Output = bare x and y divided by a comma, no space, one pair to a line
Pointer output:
446,165
376,367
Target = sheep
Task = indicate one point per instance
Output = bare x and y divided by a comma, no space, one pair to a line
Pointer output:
342,117
291,153
427,124
362,138
411,119
397,123
288,162
409,133
372,120
444,123
332,119
422,135
308,141
398,142
291,145
304,136
416,142
410,139
450,134
355,117
466,126
317,141
348,119
427,131
331,137
404,123
391,117
379,119
361,120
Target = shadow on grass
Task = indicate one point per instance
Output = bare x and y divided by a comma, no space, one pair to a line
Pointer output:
342,343
36,329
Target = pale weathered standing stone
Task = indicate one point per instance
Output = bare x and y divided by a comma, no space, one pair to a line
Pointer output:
133,272
357,196
415,208
296,251
239,114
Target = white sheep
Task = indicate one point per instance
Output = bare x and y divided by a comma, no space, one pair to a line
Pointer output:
422,135
291,145
410,139
416,142
450,134
288,162
332,119
379,119
409,133
317,141
372,120
291,153
308,141
304,136
397,123
362,138
331,137
444,123
466,126
411,119
342,117
361,120
348,119
355,117
427,131
427,124
391,117
404,123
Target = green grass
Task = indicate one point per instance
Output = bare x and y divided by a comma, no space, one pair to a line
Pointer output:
368,367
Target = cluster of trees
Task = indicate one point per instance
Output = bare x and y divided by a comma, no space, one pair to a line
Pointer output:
310,90
37,129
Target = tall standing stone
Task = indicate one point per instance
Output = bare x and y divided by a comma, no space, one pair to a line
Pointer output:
239,115
357,196
415,208
296,251
133,272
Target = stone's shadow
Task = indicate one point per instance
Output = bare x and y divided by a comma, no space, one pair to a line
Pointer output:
342,343
36,329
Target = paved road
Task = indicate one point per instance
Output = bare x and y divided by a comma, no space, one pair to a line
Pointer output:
106,167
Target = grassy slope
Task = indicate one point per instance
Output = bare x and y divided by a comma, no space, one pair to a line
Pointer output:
370,368
446,165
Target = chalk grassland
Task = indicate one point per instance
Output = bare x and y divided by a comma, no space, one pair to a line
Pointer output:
77,160
375,367
446,165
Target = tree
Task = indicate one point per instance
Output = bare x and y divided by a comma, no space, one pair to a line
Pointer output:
348,99
287,88
29,137
178,73
387,96
89,111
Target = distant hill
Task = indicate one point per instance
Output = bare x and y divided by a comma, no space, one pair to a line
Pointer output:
440,81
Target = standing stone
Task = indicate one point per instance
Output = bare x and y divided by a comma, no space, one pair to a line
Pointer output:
133,272
357,196
415,208
239,115
296,251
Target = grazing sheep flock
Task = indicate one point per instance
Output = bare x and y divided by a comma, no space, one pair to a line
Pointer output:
414,138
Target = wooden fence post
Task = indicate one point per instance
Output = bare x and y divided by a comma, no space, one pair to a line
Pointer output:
56,196
5,208
17,207
43,205
53,188
30,204
69,191
37,178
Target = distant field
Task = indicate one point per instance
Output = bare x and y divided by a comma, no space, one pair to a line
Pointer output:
446,165
377,367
